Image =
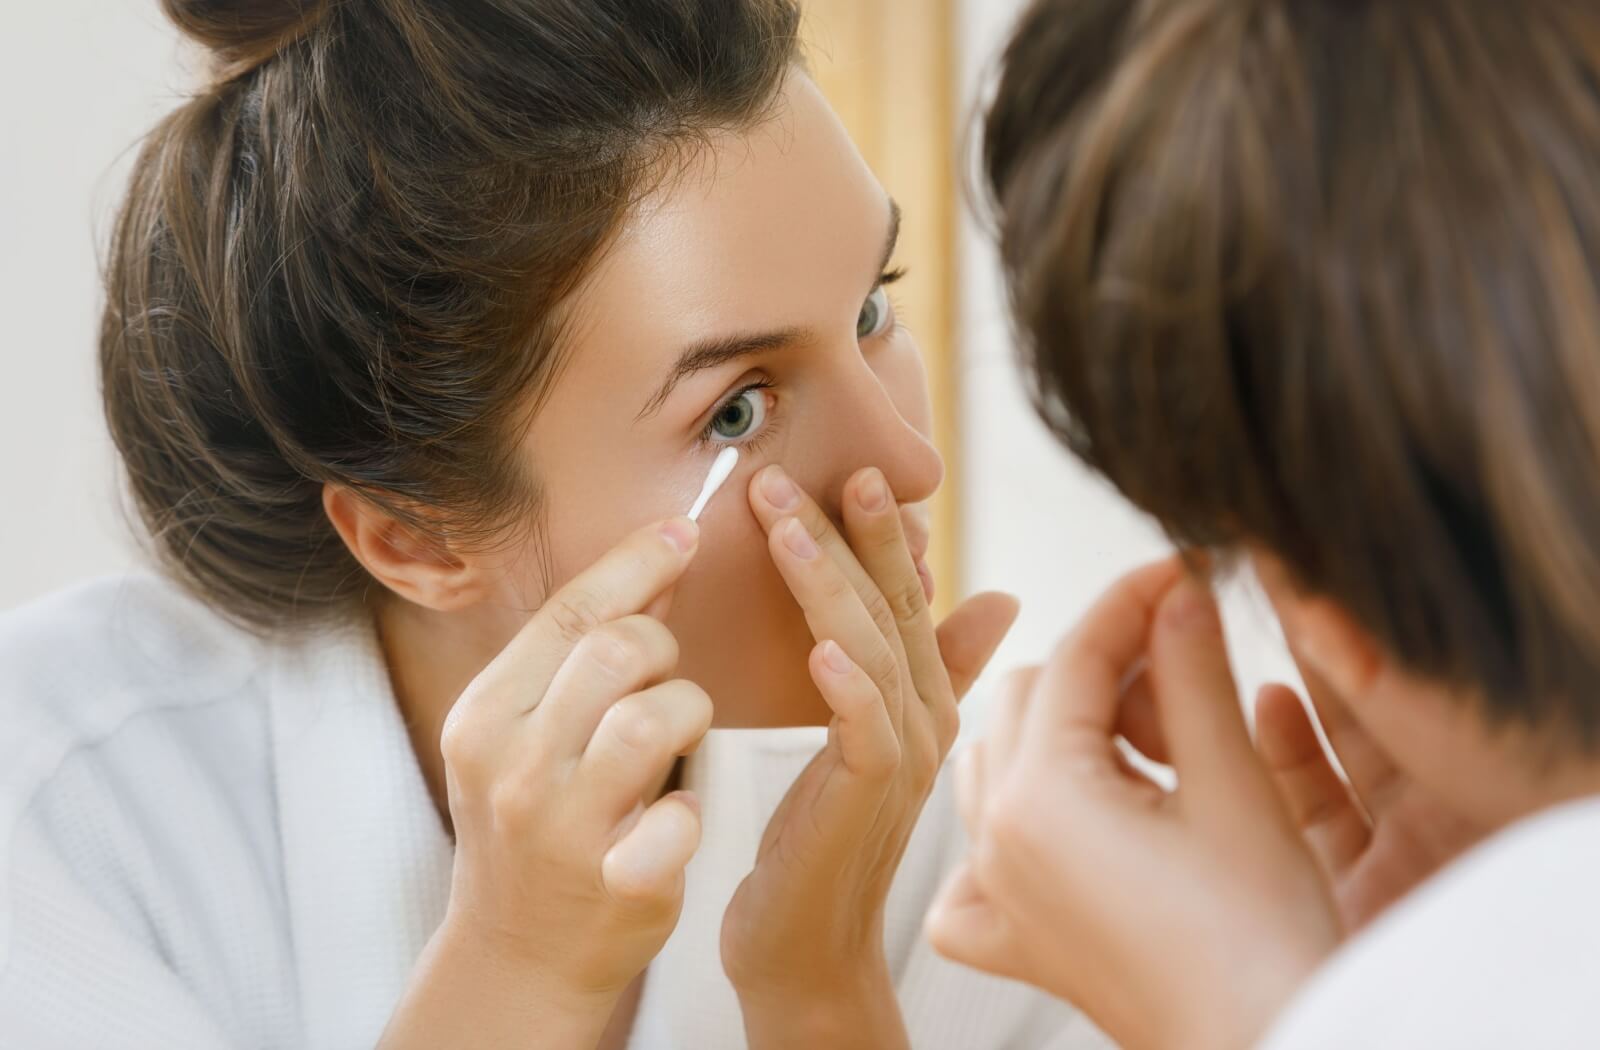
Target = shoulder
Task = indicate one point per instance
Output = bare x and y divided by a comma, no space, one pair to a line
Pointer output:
122,698
76,665
1497,950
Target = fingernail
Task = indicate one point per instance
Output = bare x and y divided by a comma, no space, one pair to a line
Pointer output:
681,533
835,658
872,493
799,541
779,490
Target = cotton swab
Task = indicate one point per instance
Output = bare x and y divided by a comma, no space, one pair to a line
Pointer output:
721,469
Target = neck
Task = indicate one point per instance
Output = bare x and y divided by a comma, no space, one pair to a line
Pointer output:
432,657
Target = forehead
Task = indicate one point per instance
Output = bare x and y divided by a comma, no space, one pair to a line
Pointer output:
778,225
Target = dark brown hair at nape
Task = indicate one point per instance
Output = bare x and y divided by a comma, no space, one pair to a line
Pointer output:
344,261
1320,275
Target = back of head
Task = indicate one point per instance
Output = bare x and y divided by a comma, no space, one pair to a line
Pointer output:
344,261
1320,275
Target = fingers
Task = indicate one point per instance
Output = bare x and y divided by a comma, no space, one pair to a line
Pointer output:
638,739
867,741
1198,704
969,636
775,497
832,607
1138,722
623,582
1082,682
1319,803
1373,776
609,662
644,869
873,526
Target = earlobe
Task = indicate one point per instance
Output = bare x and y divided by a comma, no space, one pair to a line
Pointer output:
414,566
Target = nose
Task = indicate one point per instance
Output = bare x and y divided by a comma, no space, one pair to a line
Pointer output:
873,430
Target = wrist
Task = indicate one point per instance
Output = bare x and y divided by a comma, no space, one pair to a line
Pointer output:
537,977
468,991
842,1008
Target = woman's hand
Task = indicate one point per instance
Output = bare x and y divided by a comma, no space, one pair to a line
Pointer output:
1375,838
568,871
1174,920
802,939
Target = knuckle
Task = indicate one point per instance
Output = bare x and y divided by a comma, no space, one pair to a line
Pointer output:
879,609
836,589
573,615
884,762
883,668
512,804
611,650
634,724
905,600
462,746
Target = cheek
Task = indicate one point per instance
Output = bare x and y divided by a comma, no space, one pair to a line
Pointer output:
742,638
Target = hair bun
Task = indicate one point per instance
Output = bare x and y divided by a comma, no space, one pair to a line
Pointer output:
242,34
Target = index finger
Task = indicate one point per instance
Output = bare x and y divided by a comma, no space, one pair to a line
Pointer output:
623,581
1080,688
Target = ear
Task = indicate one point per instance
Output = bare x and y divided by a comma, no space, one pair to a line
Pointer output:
1319,631
417,567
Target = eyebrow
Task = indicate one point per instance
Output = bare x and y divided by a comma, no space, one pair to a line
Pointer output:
719,350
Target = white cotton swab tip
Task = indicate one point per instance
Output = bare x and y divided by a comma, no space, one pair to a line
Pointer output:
721,468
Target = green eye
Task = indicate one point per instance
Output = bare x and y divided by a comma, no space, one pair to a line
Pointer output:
875,316
739,416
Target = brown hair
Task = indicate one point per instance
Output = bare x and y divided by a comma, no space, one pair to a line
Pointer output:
344,261
1320,275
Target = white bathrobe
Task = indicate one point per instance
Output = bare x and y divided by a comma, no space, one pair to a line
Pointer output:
212,841
1500,951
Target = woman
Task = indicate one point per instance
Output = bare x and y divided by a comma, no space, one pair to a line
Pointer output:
424,323
1316,284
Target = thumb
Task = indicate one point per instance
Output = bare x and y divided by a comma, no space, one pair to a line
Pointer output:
969,636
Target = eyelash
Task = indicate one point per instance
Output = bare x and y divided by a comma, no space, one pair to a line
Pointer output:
885,279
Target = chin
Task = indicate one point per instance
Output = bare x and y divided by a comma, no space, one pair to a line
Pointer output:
785,708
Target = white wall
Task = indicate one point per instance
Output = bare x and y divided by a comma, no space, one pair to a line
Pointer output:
79,80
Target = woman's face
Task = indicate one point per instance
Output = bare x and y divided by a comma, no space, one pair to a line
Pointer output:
742,304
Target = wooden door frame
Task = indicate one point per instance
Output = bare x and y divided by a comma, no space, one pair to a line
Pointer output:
889,69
